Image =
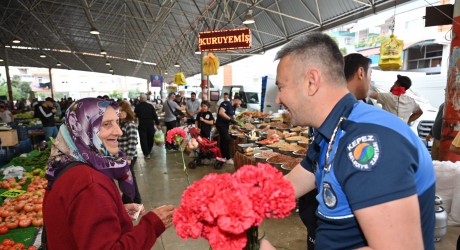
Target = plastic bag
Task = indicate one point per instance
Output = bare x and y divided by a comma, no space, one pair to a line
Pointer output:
159,138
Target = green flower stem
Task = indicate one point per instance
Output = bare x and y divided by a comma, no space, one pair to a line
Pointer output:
185,167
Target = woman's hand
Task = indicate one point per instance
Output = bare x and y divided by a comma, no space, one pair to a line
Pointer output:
134,210
266,245
165,213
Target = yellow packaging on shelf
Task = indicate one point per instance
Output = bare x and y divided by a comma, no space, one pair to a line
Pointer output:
391,54
12,193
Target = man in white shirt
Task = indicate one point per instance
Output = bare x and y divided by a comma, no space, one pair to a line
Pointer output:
397,102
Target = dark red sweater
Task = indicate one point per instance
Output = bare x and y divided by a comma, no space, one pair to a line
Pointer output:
84,210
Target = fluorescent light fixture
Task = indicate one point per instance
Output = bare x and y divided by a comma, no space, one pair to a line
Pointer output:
197,52
166,73
42,55
16,41
249,18
94,31
177,65
110,70
1,60
150,63
103,52
107,63
133,60
58,64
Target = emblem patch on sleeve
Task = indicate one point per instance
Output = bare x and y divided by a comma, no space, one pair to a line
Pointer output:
364,152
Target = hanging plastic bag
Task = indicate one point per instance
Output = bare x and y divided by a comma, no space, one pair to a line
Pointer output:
391,54
159,138
210,64
179,79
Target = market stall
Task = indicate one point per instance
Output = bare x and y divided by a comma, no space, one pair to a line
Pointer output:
22,188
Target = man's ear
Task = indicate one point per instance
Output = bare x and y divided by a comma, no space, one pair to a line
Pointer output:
312,80
361,73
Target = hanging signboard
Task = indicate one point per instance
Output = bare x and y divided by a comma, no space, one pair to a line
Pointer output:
156,81
224,40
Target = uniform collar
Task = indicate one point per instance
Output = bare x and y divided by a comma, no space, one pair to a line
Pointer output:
342,108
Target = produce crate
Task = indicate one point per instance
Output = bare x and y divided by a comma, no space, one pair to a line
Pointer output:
24,146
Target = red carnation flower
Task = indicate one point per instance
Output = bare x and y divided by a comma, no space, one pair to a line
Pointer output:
175,133
398,90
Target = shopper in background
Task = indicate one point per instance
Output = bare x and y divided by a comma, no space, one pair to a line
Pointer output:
45,112
171,120
435,133
5,114
221,100
397,102
148,119
192,108
128,142
83,208
225,116
373,192
358,71
205,120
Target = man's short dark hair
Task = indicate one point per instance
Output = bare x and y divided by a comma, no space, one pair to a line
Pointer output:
171,94
49,99
225,93
237,97
316,49
193,93
352,62
404,81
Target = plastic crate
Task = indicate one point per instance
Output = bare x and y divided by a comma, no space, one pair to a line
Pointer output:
24,146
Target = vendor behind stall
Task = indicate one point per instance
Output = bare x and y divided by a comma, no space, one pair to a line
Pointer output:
45,112
225,116
5,114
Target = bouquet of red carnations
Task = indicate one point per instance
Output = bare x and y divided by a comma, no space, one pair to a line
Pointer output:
222,207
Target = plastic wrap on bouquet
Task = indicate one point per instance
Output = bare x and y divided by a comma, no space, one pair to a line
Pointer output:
391,54
179,79
210,64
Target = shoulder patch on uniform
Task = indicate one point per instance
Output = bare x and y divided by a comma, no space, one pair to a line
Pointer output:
364,152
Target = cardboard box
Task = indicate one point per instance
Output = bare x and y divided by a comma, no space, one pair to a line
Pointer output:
9,138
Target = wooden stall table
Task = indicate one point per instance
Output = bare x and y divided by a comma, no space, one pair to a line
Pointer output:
241,159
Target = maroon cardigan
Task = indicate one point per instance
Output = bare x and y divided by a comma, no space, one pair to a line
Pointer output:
84,210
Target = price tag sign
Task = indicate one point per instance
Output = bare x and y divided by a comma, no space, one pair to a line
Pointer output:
12,193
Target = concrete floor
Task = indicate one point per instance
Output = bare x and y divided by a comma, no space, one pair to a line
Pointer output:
161,181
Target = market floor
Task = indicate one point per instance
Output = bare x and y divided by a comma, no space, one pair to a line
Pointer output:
162,181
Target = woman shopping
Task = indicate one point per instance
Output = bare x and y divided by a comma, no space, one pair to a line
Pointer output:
83,208
128,142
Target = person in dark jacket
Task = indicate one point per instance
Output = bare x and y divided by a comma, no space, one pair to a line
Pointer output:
148,119
45,112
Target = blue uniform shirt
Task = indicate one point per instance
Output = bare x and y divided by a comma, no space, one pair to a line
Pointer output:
375,158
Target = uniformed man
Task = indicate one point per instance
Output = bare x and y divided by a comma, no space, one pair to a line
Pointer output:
374,176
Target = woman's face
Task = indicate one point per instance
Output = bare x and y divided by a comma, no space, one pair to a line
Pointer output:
110,131
122,114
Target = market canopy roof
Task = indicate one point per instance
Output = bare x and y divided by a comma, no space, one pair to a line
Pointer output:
136,34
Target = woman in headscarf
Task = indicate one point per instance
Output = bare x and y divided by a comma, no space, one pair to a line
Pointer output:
83,208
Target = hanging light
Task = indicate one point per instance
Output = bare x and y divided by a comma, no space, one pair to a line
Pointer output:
110,70
1,60
103,52
42,55
248,18
107,63
16,41
94,31
58,64
166,73
177,65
